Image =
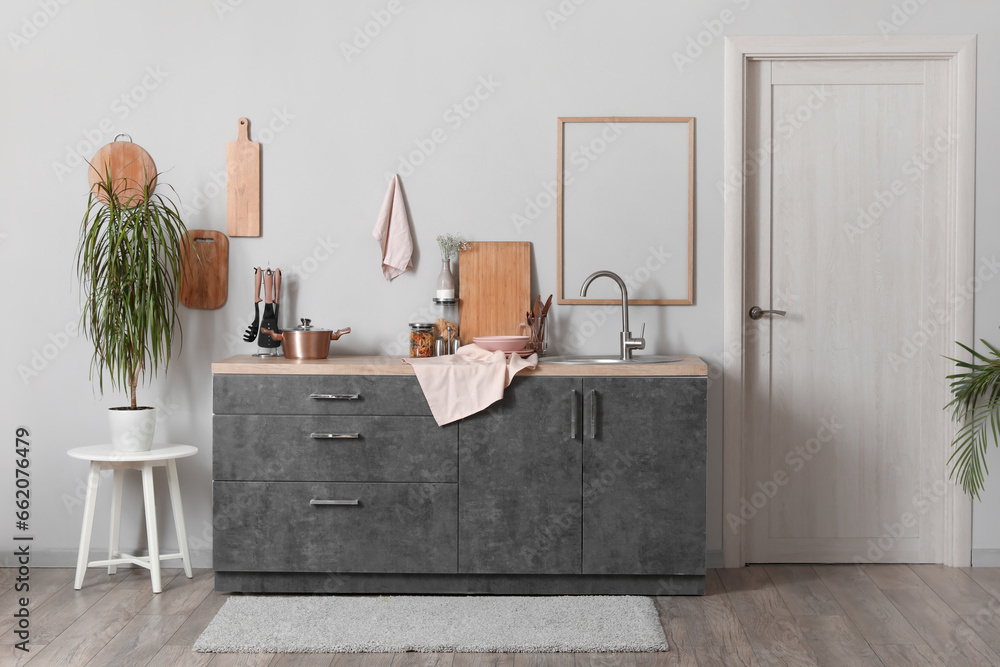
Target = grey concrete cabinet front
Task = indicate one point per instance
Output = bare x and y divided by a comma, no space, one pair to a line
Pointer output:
567,485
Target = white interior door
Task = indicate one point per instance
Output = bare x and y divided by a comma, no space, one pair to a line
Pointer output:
847,232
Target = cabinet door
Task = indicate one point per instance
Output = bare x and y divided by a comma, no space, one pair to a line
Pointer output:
644,475
520,481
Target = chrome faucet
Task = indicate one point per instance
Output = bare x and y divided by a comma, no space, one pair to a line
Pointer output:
627,343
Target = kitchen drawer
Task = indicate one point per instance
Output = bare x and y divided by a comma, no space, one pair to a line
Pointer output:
272,527
292,448
318,395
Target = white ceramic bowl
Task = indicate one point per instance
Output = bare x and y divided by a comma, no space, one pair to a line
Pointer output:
502,343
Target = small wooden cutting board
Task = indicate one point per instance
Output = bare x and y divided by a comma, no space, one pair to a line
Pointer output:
494,288
205,279
243,183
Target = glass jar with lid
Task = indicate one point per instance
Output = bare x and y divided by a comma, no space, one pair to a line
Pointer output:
446,330
421,339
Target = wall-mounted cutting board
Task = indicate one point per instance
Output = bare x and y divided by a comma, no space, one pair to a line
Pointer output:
205,279
243,183
128,165
494,288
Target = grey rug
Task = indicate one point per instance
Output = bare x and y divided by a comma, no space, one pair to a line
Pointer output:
487,624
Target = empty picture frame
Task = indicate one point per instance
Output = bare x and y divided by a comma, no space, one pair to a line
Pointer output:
625,203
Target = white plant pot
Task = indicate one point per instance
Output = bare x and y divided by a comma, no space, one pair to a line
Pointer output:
132,430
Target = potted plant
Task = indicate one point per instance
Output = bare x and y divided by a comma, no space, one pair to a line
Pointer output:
129,265
976,403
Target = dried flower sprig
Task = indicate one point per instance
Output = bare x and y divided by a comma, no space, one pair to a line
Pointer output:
451,244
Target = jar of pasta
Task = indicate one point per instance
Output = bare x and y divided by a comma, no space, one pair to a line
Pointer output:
446,325
421,339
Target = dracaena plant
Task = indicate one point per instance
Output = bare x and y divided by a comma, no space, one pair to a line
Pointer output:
976,405
129,266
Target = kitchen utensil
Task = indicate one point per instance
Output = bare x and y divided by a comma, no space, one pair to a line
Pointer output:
205,278
243,183
277,294
306,341
495,283
501,343
268,323
128,165
251,334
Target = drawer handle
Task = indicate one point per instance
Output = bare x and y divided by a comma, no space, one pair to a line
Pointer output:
335,436
335,397
316,501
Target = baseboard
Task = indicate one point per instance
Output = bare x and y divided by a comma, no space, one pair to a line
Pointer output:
986,558
714,559
67,558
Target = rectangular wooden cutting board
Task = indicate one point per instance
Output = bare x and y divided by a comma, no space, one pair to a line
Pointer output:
205,278
494,288
243,183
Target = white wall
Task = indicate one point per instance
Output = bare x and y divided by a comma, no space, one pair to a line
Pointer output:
335,129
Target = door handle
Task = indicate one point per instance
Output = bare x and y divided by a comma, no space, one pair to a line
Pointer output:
335,397
335,436
593,414
757,312
574,414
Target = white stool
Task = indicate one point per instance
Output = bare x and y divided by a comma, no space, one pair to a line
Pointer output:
105,457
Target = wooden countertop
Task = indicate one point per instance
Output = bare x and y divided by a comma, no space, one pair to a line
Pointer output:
245,364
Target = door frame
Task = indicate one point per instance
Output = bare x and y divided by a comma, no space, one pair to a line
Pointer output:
960,52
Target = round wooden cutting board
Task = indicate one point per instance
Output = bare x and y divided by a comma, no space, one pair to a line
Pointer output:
129,166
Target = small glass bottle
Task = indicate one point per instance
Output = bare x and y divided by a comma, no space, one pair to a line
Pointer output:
446,324
421,339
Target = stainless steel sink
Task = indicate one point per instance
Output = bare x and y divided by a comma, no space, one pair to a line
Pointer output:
599,359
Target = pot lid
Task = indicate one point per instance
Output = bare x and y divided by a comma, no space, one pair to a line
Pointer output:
305,324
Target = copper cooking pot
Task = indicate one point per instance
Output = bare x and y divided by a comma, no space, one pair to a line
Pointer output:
306,341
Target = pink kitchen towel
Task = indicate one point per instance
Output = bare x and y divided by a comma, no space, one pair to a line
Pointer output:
462,384
392,231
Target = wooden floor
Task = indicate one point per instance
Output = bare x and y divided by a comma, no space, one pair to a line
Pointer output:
836,615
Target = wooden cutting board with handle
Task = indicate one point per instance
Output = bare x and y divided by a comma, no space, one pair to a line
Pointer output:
129,167
243,183
494,288
205,279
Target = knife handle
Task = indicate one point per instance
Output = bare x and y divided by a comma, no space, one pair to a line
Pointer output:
268,286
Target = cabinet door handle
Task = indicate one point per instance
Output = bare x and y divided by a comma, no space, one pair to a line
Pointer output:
593,413
316,501
574,414
334,436
335,397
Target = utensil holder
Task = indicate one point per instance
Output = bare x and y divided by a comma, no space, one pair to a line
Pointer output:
536,327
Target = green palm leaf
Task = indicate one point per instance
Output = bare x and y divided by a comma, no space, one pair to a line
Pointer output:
976,405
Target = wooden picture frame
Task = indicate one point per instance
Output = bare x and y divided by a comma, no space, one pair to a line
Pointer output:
684,296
